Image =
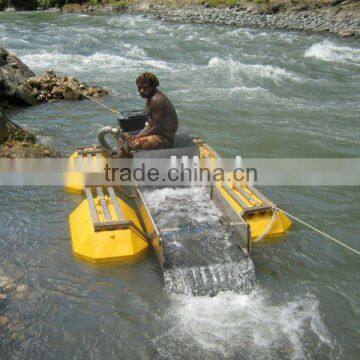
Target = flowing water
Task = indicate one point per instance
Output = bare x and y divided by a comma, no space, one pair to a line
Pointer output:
251,92
201,256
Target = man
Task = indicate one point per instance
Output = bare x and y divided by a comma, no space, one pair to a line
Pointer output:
160,130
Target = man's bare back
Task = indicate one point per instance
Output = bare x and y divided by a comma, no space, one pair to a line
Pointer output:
162,114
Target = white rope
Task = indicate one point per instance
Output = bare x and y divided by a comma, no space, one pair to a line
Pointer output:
269,226
95,101
321,232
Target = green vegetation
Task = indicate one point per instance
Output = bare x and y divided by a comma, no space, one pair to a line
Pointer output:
21,4
284,4
216,3
50,3
30,4
95,2
121,3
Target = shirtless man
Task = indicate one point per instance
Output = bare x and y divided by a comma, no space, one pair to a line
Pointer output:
160,130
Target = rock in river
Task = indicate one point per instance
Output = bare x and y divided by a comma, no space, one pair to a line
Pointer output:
13,76
18,143
3,321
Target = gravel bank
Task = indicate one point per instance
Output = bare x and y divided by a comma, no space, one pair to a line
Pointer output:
344,21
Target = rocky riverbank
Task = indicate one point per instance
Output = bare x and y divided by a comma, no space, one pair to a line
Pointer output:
9,290
340,17
20,87
342,20
16,142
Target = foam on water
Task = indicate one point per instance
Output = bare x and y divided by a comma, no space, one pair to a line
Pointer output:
210,279
97,61
328,51
200,257
170,199
210,93
246,326
264,71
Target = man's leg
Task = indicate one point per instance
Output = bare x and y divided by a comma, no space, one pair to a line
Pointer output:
150,142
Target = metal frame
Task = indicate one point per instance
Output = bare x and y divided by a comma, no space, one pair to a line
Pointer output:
150,226
109,223
234,221
246,208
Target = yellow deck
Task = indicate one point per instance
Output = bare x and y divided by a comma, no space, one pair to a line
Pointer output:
106,228
271,222
102,245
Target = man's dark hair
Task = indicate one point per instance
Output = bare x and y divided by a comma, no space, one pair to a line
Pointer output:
148,78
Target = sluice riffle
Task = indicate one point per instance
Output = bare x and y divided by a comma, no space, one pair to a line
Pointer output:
201,257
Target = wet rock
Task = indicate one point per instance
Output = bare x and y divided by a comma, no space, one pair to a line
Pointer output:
21,291
4,320
3,127
10,132
345,33
13,75
53,10
16,142
50,87
22,288
6,284
274,8
3,56
19,85
23,149
57,92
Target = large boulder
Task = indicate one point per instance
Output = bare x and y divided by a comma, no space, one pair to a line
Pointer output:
13,76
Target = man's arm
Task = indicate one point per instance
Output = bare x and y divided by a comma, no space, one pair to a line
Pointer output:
139,134
154,126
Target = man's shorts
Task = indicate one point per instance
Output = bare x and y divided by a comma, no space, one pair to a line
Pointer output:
151,142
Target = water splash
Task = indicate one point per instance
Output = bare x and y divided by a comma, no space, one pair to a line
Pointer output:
201,256
210,279
256,70
328,51
99,60
252,325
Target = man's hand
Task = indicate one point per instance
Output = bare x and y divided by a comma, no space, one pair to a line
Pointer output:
128,137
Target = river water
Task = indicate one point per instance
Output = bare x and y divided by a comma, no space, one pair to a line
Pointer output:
256,93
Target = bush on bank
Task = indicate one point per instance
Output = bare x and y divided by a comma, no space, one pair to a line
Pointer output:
262,4
34,4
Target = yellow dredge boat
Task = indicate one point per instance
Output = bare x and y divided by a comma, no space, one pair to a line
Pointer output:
115,222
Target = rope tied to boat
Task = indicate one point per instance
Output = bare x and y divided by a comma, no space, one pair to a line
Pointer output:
270,225
274,217
117,112
320,232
